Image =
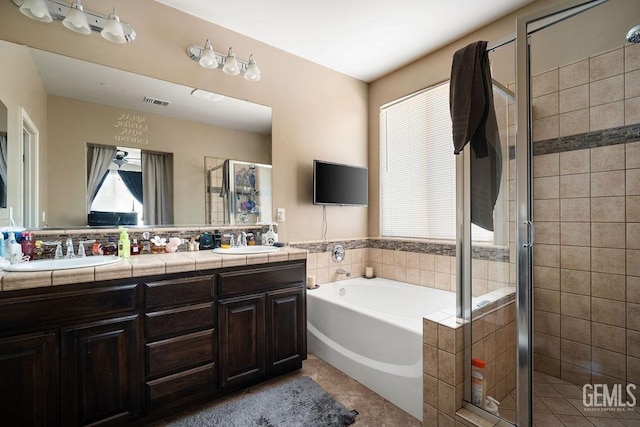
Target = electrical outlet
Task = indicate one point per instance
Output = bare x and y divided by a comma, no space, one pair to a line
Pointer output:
280,214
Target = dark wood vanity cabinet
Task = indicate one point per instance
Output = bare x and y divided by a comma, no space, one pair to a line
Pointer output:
100,375
70,356
180,341
29,385
133,350
261,323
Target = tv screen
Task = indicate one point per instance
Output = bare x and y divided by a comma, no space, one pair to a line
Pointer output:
336,184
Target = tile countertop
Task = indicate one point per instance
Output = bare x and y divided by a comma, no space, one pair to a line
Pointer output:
143,265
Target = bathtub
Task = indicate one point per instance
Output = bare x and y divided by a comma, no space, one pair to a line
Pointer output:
371,329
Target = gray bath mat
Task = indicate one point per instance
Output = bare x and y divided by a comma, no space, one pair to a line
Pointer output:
300,402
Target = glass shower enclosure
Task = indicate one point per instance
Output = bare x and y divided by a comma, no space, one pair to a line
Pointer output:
570,206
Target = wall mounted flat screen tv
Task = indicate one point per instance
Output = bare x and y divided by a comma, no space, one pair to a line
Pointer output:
337,184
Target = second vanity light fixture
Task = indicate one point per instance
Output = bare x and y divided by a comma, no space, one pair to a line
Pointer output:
78,19
229,64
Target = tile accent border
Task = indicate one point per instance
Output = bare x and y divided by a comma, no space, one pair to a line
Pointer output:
600,138
490,253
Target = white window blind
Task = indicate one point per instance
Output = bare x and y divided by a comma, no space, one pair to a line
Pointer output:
418,171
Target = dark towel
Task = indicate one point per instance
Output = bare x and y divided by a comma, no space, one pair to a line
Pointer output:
224,188
474,120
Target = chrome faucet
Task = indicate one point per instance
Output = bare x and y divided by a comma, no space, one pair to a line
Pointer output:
58,253
70,253
242,239
341,270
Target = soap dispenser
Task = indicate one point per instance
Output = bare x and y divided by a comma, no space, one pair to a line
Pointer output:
124,244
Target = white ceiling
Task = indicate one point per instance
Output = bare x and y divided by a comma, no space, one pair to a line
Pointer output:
365,39
85,81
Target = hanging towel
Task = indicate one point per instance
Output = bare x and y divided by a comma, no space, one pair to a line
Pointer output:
224,189
474,120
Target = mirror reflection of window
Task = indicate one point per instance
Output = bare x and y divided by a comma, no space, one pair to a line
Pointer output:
117,180
115,183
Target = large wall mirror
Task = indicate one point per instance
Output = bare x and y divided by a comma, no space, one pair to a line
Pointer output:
89,105
3,154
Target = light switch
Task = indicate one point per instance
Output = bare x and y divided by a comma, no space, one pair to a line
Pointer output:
280,214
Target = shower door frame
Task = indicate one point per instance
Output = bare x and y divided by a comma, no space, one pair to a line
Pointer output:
525,230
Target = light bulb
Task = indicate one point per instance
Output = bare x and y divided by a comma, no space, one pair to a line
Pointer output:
113,30
231,64
253,72
36,9
76,20
208,57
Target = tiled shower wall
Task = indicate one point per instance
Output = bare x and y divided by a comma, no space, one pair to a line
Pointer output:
587,215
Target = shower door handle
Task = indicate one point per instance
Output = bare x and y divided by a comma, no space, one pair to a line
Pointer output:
532,234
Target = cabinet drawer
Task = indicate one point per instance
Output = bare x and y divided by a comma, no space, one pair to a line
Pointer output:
168,356
58,305
179,320
175,389
260,279
166,293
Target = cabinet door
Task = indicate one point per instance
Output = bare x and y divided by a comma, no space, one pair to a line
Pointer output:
241,339
100,372
286,329
29,380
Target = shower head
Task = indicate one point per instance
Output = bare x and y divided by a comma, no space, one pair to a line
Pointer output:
633,36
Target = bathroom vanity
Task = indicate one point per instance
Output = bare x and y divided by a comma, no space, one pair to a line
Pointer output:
130,350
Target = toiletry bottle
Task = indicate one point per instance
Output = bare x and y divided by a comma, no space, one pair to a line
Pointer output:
15,251
2,250
27,244
135,247
206,241
38,251
124,244
110,248
217,239
477,382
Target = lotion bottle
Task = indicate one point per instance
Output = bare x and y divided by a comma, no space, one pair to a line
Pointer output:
124,244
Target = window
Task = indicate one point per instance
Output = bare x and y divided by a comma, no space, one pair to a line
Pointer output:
114,196
418,168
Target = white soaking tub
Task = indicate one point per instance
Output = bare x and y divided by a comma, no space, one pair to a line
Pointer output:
371,329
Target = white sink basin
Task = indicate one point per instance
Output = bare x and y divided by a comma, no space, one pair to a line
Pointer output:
63,263
246,250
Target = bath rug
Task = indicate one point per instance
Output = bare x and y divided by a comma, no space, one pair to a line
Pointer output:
301,402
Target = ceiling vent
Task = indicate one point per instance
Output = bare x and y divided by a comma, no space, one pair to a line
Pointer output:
156,101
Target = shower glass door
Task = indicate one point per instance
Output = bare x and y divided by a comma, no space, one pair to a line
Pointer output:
491,309
578,185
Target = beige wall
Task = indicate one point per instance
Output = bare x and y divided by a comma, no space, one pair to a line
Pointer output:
21,87
72,124
592,30
317,113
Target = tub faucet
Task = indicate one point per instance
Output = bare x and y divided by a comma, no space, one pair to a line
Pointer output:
70,253
341,270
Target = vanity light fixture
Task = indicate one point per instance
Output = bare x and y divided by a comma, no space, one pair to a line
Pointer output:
209,96
229,64
36,9
78,19
113,30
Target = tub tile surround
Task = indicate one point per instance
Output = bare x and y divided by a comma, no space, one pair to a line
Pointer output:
494,340
422,263
587,199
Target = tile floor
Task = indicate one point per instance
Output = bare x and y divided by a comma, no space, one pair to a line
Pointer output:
558,403
374,410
